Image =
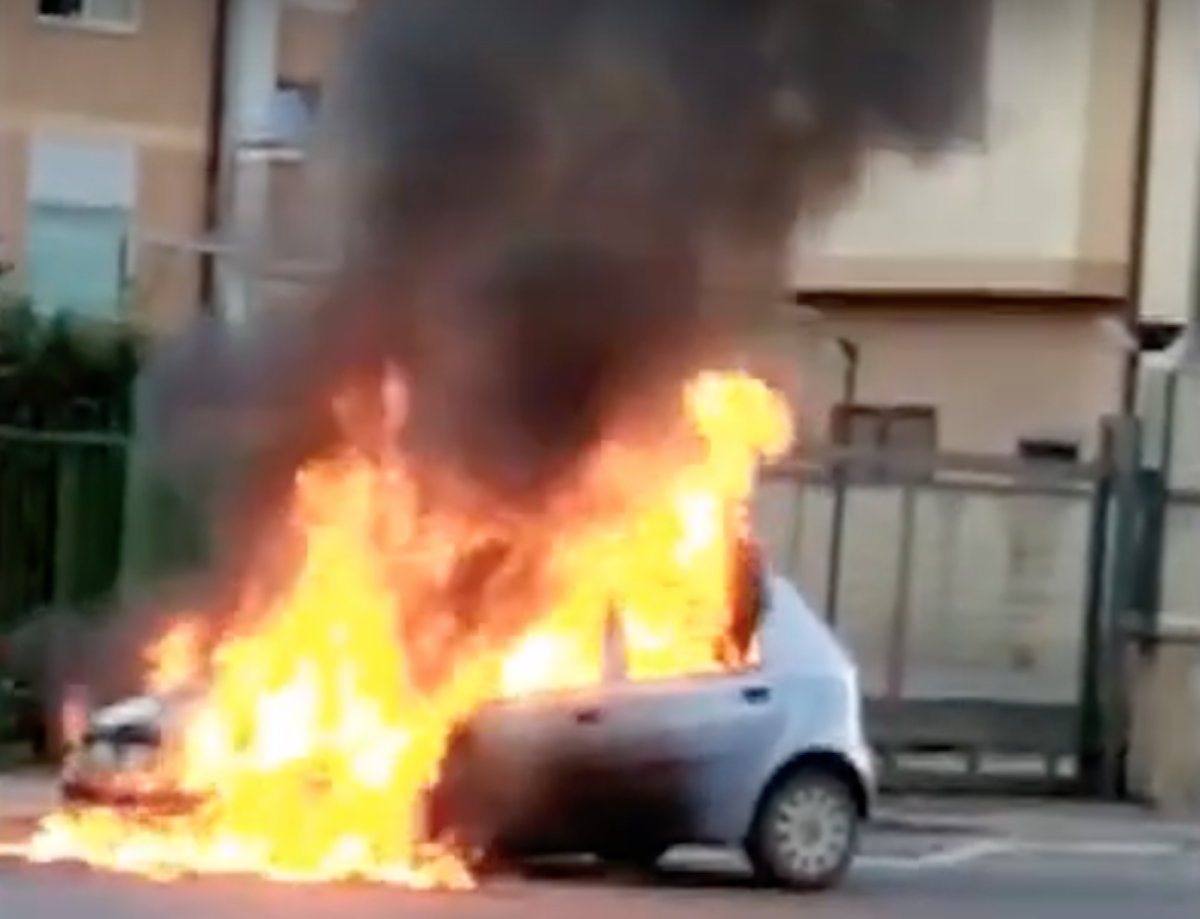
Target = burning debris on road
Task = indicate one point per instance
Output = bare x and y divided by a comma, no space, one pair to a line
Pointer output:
513,409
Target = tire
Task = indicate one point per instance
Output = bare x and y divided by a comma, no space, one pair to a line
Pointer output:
805,833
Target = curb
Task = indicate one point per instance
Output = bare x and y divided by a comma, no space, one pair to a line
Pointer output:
1000,827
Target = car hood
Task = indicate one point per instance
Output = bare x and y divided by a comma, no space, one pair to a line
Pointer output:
160,712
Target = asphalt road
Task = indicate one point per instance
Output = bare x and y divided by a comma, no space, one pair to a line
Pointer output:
897,879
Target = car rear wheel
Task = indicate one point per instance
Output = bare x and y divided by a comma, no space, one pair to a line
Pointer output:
806,832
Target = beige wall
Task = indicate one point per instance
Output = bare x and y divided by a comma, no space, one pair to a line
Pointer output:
1174,164
150,87
1044,205
989,603
980,589
995,374
308,42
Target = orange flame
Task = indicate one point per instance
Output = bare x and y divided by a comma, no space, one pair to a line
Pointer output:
320,722
175,659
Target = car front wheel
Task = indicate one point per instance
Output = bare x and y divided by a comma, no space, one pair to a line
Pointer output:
806,832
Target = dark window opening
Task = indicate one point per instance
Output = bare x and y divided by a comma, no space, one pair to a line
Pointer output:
735,648
885,442
61,9
115,14
1048,449
1157,337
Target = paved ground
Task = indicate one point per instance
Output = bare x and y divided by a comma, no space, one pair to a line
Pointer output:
1029,885
925,859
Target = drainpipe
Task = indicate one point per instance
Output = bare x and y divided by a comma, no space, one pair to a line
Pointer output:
1139,215
851,358
218,62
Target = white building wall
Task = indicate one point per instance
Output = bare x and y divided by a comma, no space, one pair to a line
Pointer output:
1017,197
1173,197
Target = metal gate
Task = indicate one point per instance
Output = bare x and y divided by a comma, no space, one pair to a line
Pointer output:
980,595
60,523
62,497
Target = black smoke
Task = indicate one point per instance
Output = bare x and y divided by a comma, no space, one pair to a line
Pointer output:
521,200
520,203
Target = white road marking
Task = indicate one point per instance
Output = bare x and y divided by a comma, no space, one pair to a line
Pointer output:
950,857
1133,849
979,849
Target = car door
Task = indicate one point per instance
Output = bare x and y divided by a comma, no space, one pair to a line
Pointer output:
529,751
691,752
545,757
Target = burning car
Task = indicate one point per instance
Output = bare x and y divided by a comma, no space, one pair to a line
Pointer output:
768,756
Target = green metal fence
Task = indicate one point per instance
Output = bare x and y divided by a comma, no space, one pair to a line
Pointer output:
987,599
62,510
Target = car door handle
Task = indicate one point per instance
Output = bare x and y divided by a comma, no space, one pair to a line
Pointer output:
756,695
589,716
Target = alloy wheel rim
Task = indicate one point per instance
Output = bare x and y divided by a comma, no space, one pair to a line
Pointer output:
812,828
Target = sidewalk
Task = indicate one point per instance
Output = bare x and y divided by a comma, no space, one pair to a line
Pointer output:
1036,821
26,796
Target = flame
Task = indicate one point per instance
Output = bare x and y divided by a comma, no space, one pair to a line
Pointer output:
323,718
175,659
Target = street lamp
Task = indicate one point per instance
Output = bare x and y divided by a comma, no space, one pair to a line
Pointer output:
849,354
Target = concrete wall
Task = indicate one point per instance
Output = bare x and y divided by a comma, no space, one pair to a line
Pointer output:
1174,164
995,374
309,38
994,604
1043,204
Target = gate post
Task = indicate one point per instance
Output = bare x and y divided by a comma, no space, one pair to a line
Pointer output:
66,524
1112,586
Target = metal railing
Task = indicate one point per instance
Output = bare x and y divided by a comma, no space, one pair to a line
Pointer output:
62,505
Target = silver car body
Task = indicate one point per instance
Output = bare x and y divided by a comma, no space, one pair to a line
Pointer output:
724,736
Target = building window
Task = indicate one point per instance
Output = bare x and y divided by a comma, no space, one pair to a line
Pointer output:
1157,337
75,258
885,442
80,203
102,15
1053,450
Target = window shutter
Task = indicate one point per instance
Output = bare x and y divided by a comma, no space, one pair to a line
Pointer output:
75,258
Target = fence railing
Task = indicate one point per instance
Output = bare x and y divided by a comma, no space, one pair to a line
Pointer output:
982,595
972,579
961,585
62,508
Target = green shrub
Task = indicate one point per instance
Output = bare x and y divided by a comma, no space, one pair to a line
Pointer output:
65,372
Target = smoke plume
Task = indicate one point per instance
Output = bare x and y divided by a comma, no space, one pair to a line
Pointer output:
522,199
522,202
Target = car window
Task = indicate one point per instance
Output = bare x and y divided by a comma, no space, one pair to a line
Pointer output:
734,649
737,648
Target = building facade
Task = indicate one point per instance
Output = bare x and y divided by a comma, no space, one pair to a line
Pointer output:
128,135
989,293
993,291
105,131
1173,179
